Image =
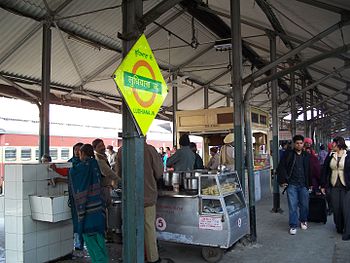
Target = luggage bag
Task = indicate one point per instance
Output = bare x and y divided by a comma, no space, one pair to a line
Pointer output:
317,208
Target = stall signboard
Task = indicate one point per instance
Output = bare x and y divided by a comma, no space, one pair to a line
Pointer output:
141,83
210,222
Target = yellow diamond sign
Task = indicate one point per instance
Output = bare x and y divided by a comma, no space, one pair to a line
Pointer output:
141,83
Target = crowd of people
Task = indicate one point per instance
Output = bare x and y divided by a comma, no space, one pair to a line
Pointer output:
301,172
97,169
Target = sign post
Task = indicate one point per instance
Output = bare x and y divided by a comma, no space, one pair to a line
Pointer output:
141,83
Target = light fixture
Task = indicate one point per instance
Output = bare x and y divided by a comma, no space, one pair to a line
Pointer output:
223,44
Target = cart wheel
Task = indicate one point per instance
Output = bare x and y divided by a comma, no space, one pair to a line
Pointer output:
212,254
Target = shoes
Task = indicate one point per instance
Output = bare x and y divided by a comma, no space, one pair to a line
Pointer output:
303,225
79,254
292,231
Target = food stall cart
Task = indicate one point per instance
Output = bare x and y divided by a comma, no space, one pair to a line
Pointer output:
209,210
215,123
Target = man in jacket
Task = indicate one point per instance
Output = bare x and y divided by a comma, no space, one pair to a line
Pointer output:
198,163
183,159
294,174
153,170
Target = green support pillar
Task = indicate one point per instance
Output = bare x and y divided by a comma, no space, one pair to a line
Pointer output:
133,154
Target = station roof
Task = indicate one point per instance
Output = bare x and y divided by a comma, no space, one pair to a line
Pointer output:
86,51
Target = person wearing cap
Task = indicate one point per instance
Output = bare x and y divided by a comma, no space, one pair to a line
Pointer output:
227,152
214,160
308,145
183,159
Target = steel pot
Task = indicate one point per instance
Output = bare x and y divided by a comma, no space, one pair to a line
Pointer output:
175,178
190,183
115,216
167,178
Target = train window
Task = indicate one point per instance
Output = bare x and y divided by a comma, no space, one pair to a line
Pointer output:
37,154
10,154
263,119
53,153
26,154
255,117
65,153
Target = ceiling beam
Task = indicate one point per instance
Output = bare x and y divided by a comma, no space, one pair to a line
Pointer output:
156,12
324,6
292,52
303,64
314,84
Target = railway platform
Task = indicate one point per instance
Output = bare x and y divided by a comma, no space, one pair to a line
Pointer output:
320,243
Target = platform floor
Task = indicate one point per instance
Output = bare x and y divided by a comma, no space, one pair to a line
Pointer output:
320,243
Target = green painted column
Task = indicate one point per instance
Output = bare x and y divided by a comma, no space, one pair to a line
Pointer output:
133,154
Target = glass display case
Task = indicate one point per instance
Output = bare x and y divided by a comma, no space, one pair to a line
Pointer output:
219,192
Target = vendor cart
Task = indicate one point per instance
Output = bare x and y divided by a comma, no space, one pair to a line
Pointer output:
214,216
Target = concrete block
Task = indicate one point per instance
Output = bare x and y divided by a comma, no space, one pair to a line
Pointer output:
10,173
29,172
42,187
54,251
42,254
10,207
42,172
11,241
30,256
10,190
29,225
66,247
13,256
42,239
11,224
29,241
29,188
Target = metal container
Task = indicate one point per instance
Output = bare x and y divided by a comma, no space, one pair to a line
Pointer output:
167,178
187,175
175,178
115,216
190,183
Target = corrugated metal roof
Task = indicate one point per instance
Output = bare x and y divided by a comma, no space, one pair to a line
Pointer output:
298,20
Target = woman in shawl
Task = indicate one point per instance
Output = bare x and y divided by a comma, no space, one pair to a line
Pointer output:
85,180
78,237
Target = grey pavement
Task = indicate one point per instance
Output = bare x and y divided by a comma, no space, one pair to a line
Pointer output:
320,243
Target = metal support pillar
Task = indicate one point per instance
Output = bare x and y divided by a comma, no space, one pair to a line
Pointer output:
303,84
206,97
133,155
228,101
293,105
175,108
236,42
44,132
311,127
275,141
237,88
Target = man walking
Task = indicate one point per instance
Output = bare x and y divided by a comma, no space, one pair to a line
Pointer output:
294,175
